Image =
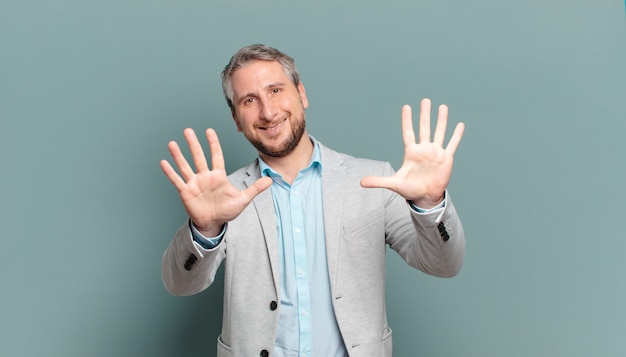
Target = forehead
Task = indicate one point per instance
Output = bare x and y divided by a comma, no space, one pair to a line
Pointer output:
257,75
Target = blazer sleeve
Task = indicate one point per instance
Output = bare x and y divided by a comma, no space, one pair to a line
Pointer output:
187,269
431,242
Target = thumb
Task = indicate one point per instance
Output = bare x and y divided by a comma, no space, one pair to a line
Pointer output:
377,182
259,186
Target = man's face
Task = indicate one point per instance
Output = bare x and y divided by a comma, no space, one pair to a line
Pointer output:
269,108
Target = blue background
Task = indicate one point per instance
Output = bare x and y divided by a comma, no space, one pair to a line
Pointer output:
91,92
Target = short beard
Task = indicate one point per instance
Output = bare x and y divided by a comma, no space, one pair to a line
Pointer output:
287,147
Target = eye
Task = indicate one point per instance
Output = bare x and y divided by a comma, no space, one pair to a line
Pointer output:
276,90
248,101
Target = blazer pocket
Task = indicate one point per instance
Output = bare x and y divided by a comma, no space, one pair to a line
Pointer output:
380,347
387,344
223,350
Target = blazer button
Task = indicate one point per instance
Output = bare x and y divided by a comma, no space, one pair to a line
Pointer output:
443,232
273,305
190,261
264,353
441,227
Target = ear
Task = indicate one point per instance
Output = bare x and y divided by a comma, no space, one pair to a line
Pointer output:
303,98
234,115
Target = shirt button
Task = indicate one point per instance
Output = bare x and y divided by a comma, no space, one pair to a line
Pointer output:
273,305
297,230
264,353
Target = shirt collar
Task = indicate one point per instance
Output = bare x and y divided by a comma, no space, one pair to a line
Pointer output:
316,161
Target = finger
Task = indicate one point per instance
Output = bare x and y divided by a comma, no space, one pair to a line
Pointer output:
183,166
259,186
442,124
456,138
171,174
377,182
424,134
197,154
217,156
408,135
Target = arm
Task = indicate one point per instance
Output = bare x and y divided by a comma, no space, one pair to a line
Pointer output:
210,201
422,181
186,268
440,247
432,241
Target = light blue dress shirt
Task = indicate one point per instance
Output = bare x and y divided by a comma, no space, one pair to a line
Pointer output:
307,324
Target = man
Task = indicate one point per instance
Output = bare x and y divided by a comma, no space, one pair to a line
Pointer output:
305,260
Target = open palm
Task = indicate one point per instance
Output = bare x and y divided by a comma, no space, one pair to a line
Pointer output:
427,164
209,198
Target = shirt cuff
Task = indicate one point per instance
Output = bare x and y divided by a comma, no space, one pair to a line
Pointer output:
438,207
204,242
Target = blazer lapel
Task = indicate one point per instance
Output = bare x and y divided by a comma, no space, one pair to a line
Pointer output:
264,206
333,182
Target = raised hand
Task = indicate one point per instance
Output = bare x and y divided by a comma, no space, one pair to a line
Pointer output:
427,165
209,198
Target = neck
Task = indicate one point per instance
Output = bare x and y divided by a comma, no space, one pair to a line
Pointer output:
290,165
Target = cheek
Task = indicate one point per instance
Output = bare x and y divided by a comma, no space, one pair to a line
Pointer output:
289,104
245,119
236,120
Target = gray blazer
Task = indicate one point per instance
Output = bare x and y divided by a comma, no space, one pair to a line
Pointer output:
359,223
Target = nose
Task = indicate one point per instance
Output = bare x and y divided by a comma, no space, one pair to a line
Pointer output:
268,110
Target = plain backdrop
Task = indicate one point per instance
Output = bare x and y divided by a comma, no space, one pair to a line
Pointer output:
91,91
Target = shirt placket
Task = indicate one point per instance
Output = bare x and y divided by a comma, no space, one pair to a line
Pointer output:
301,265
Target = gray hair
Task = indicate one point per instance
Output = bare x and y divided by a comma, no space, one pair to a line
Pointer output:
252,53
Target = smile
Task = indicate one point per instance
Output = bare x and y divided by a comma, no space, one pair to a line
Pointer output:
274,127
